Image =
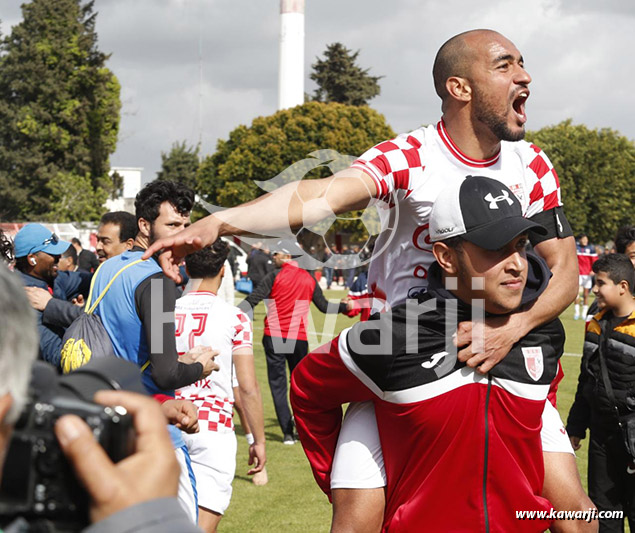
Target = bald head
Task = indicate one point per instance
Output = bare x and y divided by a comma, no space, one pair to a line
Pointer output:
456,56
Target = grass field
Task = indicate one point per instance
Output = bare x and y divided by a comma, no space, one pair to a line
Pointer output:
291,501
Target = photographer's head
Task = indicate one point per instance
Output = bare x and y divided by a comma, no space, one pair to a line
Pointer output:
18,348
162,209
480,236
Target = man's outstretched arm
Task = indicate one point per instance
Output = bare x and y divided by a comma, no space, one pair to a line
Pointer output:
290,207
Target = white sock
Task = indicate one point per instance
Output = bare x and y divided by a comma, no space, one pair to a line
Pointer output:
576,311
585,310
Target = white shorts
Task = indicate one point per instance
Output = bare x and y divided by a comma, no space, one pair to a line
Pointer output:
586,281
553,435
213,457
187,485
359,462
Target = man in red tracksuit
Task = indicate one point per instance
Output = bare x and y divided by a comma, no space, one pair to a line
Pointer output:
288,291
462,450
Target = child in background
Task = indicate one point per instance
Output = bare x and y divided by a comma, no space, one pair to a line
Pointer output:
596,406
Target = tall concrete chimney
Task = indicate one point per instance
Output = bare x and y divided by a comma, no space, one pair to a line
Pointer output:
291,73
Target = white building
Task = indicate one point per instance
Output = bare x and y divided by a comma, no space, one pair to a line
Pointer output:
131,186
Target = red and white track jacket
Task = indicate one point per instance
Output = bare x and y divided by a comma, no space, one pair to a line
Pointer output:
462,450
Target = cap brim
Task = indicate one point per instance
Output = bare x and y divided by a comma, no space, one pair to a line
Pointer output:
56,249
497,234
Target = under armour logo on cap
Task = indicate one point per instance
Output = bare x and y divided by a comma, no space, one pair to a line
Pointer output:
493,202
459,210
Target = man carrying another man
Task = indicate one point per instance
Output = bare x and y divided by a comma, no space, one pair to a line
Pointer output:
442,424
483,85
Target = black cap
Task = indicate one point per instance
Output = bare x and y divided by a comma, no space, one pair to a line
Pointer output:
481,210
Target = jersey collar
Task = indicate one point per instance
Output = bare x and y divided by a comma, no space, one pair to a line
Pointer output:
456,152
202,293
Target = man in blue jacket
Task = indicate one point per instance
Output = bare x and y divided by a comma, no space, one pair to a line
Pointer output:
37,254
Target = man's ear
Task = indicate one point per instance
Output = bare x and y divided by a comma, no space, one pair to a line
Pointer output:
624,287
129,244
459,88
446,257
145,227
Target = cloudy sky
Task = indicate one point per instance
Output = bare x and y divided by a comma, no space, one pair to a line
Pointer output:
579,53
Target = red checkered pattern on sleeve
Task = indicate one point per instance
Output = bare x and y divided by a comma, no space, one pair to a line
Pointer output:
393,165
243,335
545,193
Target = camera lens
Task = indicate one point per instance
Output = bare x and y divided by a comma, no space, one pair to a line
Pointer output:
48,461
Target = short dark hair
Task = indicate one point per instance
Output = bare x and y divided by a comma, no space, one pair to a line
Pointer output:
75,240
206,263
624,237
452,59
456,243
618,267
6,248
126,221
149,199
72,253
22,264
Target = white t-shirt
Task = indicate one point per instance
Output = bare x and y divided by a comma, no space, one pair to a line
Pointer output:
204,319
410,171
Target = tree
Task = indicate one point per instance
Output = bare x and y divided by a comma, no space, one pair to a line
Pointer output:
180,164
59,111
340,80
597,176
282,148
73,199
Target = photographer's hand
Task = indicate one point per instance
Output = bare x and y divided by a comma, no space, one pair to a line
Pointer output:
151,472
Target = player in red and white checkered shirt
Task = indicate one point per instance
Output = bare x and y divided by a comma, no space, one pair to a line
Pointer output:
410,171
204,319
481,80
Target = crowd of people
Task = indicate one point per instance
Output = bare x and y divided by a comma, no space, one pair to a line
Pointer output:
451,374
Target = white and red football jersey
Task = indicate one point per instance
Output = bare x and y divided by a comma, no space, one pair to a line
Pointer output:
410,171
586,257
204,319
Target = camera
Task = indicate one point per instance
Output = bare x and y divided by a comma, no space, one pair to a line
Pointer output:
38,485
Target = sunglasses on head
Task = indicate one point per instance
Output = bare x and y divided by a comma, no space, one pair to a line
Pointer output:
53,239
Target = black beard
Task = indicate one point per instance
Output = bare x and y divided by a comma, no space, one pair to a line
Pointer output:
497,125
